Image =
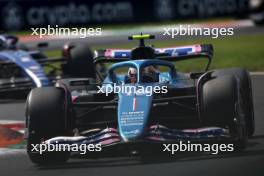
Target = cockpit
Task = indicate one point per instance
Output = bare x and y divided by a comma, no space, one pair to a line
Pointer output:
141,71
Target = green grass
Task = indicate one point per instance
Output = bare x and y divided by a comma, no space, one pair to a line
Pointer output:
238,51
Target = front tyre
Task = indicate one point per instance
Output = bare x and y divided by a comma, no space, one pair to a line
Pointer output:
222,106
245,85
46,117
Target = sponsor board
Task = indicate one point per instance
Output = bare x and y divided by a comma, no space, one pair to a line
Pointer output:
18,15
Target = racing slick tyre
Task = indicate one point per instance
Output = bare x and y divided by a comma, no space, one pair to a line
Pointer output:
46,117
222,105
79,61
246,90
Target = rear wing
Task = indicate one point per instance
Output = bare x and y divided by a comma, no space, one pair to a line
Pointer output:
169,54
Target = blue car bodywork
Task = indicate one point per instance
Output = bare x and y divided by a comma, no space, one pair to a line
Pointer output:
22,69
134,111
133,120
29,67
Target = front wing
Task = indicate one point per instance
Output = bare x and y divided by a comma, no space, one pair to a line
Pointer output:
110,138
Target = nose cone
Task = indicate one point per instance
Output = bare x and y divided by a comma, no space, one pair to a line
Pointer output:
133,112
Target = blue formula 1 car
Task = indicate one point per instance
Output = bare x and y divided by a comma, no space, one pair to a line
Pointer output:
21,69
139,98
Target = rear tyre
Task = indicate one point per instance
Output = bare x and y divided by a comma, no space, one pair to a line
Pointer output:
221,105
46,117
79,62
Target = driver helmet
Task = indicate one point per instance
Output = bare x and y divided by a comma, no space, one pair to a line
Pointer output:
132,74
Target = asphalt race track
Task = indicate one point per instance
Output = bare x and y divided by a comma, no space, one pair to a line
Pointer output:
249,162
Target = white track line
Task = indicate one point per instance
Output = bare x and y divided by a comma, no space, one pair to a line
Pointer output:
5,122
6,152
256,73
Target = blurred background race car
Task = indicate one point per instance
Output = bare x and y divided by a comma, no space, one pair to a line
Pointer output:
22,69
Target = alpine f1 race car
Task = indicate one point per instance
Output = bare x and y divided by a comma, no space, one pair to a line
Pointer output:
162,105
21,69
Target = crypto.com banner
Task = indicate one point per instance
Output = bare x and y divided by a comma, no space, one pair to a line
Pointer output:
23,14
